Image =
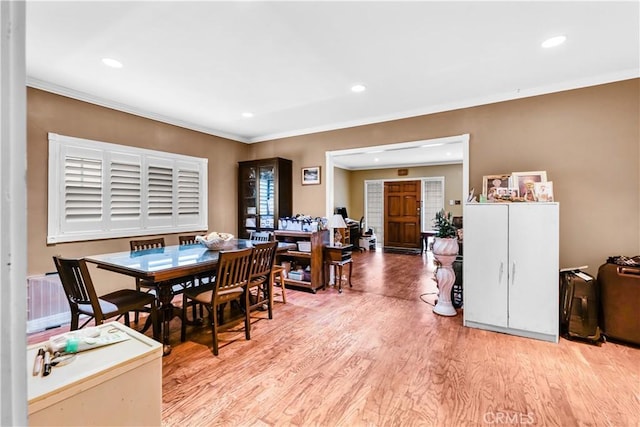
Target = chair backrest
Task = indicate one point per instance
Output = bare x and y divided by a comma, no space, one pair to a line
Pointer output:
232,271
261,236
77,284
262,259
457,221
141,245
187,240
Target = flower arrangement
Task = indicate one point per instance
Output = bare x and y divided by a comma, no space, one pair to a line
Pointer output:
444,224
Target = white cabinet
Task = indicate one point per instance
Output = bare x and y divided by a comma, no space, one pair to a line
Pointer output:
511,268
116,385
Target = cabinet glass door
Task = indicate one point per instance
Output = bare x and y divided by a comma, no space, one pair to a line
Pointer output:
250,192
266,196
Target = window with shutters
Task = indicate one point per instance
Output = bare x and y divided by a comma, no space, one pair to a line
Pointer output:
100,190
432,200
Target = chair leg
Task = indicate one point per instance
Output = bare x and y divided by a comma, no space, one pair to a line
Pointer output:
214,331
137,314
283,289
279,275
247,317
271,299
147,323
75,319
220,313
183,324
350,271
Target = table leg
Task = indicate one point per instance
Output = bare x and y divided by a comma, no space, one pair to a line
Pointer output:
165,295
350,271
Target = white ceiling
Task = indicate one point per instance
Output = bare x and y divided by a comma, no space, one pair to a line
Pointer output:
415,153
202,64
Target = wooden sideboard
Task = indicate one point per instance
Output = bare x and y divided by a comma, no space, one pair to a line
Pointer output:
312,258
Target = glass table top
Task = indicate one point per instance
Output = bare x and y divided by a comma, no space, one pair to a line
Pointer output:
169,257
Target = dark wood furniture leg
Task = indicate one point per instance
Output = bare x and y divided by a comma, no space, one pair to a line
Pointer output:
165,295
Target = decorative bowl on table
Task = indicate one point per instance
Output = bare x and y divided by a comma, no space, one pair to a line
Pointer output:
216,241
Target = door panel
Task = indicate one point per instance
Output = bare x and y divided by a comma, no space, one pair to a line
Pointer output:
486,271
402,214
533,289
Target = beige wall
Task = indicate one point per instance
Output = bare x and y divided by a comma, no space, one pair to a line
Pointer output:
342,189
47,112
452,184
586,139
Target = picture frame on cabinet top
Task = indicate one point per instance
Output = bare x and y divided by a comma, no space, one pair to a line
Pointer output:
525,182
490,184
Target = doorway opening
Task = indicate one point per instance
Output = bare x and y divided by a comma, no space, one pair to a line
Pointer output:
406,154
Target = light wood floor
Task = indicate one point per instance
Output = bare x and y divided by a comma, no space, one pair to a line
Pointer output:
377,355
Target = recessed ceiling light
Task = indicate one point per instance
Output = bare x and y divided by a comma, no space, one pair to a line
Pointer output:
376,159
113,63
247,114
554,41
358,88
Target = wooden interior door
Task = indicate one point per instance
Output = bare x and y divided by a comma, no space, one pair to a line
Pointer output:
402,214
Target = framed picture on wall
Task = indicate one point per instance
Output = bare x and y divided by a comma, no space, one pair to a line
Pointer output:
311,175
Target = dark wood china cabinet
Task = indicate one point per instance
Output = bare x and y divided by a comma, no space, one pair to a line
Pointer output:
265,194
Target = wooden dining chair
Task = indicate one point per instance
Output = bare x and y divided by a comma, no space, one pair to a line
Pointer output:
82,297
196,280
260,285
277,273
187,240
232,274
261,236
143,245
278,276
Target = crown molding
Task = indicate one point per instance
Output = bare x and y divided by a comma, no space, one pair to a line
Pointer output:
85,97
471,102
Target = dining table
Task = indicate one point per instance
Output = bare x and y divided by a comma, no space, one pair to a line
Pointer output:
168,266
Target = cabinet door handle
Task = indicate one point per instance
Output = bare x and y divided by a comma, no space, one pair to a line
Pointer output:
501,271
513,273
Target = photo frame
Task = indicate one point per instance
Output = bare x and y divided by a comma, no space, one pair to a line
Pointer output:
543,191
525,181
492,182
311,175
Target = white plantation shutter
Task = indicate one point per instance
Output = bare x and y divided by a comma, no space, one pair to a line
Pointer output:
374,207
82,189
125,200
159,191
111,190
79,184
188,193
432,199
